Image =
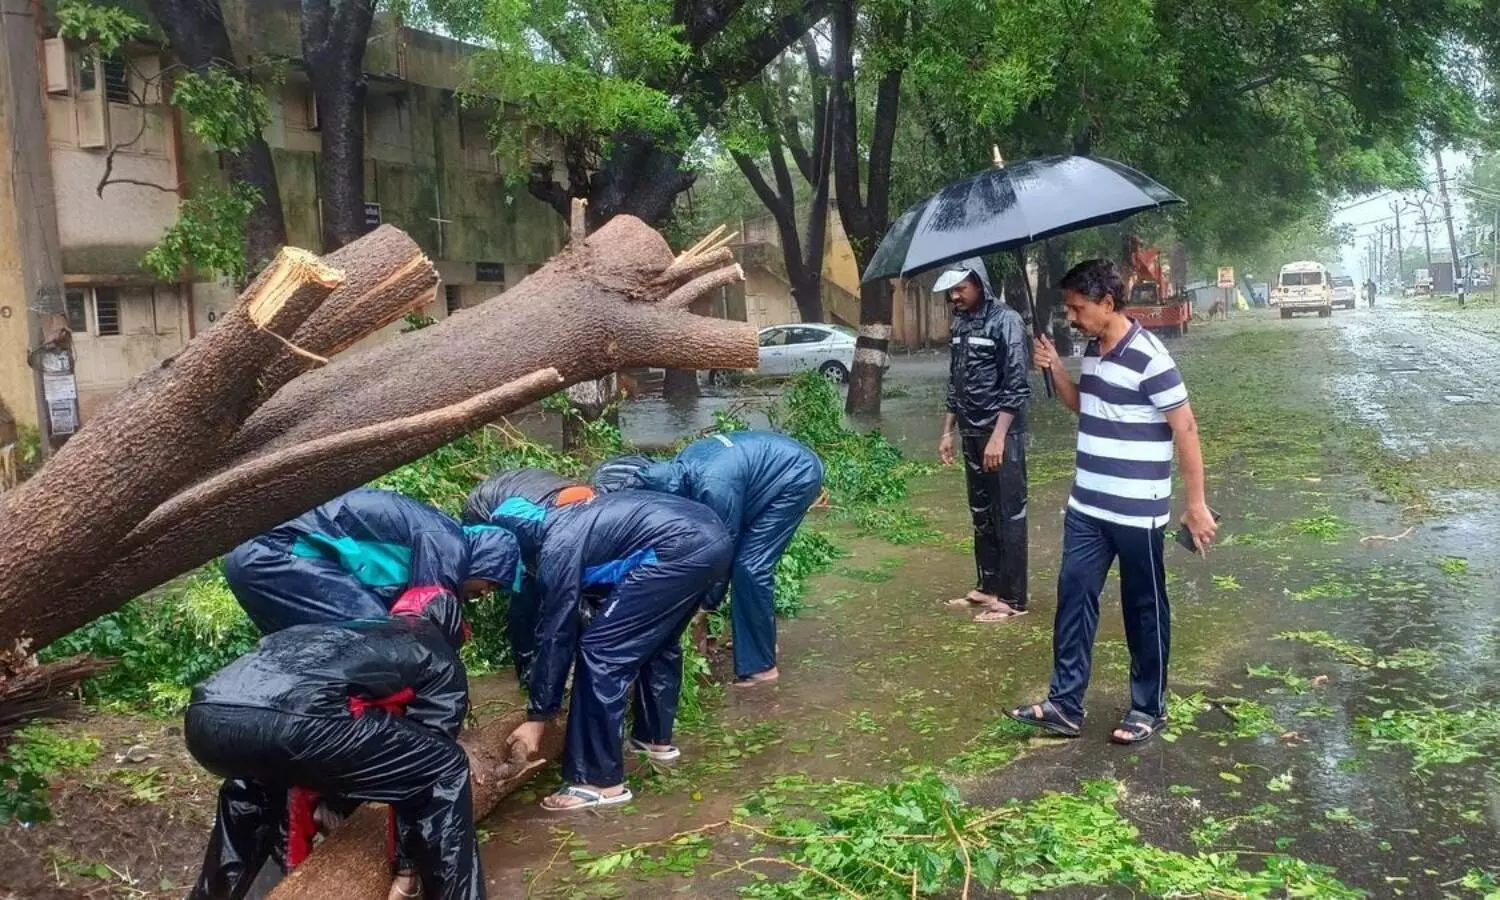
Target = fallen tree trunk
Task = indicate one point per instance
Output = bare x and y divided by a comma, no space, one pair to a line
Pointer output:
352,863
618,299
152,438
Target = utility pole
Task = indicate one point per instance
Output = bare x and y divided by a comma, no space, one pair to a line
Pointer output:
1400,246
1426,223
1448,217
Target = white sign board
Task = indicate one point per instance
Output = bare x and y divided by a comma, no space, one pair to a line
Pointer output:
1226,276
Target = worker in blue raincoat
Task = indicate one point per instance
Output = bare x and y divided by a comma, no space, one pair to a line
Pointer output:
761,484
365,710
357,555
619,578
538,486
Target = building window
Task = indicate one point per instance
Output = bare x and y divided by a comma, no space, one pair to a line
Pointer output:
116,81
76,307
106,312
455,302
88,73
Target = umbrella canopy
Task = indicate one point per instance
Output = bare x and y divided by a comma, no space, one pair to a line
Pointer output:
1008,207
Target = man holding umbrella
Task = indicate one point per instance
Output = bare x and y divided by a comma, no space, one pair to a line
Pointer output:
1133,414
987,395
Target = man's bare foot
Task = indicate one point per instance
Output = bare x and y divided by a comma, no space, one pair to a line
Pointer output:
758,678
585,796
999,611
974,598
407,886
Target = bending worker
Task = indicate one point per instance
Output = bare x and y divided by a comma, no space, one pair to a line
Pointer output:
364,710
357,555
619,578
543,488
761,485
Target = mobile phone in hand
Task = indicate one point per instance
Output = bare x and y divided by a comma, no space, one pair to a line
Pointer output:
1185,537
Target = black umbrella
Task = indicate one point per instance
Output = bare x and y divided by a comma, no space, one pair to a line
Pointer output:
1008,207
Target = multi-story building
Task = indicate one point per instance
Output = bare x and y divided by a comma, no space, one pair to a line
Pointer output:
430,169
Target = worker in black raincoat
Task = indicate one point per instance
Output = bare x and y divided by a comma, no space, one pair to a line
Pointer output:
543,488
357,555
761,484
366,710
988,393
620,577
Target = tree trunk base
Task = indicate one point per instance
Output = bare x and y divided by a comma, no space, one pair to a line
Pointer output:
680,384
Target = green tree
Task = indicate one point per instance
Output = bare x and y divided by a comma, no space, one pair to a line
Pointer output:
621,90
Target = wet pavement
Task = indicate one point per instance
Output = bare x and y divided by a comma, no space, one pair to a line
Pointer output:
1333,662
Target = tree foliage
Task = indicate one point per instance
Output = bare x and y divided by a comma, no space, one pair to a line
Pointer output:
620,89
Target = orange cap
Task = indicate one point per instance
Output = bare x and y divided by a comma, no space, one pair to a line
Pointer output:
578,493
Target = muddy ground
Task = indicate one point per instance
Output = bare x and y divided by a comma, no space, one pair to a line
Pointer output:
1334,660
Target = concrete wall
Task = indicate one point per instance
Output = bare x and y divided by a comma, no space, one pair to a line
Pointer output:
429,165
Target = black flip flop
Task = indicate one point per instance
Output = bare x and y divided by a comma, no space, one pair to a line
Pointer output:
1047,717
1140,726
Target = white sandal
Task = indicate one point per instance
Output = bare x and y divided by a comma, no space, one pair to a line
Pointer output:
671,754
591,798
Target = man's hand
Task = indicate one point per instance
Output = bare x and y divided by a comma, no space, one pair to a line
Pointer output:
994,451
1044,354
1200,524
528,737
945,449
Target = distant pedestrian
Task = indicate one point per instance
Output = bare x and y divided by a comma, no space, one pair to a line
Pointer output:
988,391
1370,292
1132,408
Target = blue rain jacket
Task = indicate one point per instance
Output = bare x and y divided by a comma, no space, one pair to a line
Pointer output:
740,475
358,554
586,550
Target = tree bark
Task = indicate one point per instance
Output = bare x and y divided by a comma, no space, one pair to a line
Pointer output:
195,29
334,34
352,863
155,437
865,220
618,300
386,276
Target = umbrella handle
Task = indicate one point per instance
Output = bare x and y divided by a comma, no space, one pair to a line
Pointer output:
1047,382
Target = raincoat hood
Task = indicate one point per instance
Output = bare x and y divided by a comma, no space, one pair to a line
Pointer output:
620,474
494,556
954,275
537,485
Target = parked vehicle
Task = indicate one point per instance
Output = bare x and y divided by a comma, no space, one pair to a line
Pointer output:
1345,294
793,349
1304,286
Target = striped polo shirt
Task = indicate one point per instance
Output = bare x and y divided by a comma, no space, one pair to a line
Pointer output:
1124,442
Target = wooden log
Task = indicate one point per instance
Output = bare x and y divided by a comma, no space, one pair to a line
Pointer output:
46,690
161,433
352,863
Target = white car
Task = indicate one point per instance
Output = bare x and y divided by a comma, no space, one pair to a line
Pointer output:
794,349
1344,291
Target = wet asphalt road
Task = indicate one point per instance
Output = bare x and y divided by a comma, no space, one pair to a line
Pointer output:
878,676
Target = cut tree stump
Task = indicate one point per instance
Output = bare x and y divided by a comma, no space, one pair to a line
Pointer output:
352,863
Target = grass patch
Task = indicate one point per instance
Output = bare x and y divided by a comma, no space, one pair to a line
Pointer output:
37,753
